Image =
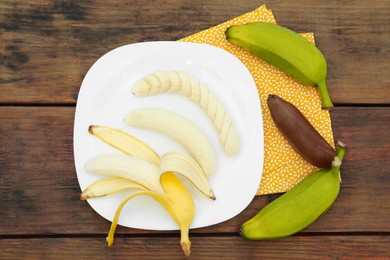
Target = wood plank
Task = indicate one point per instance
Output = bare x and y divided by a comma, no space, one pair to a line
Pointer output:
39,189
47,47
209,247
355,41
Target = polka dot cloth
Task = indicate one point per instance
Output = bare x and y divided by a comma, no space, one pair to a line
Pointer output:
283,167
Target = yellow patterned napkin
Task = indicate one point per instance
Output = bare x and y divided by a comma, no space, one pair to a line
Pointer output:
283,167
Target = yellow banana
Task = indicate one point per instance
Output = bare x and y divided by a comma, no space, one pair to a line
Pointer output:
180,82
286,50
176,199
179,128
150,175
178,203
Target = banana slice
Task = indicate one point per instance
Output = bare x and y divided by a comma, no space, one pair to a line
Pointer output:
200,94
179,204
129,167
125,142
179,128
107,186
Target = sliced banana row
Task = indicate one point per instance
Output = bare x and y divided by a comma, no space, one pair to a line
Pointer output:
180,82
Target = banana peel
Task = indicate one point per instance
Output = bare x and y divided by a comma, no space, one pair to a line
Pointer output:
178,203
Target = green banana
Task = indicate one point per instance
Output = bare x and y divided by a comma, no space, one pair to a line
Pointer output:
299,207
286,50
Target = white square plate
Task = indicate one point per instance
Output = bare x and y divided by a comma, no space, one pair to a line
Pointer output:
105,98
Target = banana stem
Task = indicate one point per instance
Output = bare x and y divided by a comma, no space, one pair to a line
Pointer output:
325,98
185,241
340,151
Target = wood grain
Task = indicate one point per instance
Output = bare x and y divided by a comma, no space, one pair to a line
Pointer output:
40,194
233,247
47,47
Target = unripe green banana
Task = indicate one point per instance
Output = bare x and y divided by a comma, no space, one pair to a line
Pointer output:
286,50
299,207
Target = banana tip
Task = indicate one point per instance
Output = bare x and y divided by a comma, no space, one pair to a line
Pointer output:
83,196
109,241
341,144
212,196
241,233
327,107
270,97
186,248
90,128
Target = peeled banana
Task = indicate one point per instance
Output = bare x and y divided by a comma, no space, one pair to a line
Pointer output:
180,82
142,171
286,50
179,128
147,178
299,207
178,203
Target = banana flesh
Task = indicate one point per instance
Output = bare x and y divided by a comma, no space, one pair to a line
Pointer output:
299,207
107,186
286,50
179,128
178,203
180,82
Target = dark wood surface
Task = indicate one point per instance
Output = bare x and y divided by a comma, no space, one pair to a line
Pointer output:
46,47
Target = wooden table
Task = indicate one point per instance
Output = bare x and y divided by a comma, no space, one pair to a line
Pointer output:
46,48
